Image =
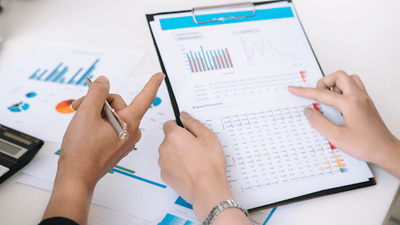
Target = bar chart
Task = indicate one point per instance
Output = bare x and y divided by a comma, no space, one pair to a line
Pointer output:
208,60
59,74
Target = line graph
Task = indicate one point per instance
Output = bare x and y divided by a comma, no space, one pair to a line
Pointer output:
261,50
269,51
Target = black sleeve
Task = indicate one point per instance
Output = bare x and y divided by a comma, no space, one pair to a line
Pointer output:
58,221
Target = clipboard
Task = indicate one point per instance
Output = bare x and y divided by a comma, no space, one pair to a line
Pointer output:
150,18
198,20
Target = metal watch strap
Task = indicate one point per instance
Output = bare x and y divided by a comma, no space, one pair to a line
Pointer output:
221,207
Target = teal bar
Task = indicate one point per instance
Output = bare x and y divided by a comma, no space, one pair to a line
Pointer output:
123,168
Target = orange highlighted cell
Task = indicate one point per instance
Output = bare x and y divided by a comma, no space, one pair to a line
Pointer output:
329,163
64,107
339,162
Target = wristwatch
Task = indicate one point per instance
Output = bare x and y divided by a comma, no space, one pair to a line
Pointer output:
221,207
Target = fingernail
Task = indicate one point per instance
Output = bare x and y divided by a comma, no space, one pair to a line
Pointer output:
104,80
308,111
185,115
71,105
290,89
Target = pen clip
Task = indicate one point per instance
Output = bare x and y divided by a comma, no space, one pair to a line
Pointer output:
120,121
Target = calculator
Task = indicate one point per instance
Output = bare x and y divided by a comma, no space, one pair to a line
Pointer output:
16,150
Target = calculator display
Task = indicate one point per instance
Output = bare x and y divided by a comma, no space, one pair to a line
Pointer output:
16,150
17,138
11,149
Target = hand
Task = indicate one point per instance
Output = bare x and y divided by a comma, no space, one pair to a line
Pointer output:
362,134
193,163
91,147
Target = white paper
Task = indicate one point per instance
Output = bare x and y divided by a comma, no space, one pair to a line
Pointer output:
34,104
32,181
116,217
233,77
29,180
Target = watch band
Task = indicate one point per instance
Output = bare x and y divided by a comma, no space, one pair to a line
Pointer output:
221,207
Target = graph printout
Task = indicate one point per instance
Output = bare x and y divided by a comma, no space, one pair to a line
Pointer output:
233,75
38,90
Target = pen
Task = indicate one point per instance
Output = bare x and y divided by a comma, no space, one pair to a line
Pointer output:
115,120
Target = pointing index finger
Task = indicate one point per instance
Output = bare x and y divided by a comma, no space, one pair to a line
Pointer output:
322,95
145,98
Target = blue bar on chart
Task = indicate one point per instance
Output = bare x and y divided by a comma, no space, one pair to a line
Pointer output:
208,60
138,178
130,173
87,74
170,219
180,201
57,75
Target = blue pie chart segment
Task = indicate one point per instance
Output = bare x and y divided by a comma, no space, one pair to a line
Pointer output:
31,94
19,107
157,101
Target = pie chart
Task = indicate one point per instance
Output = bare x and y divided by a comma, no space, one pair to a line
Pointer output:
157,101
31,94
19,107
64,107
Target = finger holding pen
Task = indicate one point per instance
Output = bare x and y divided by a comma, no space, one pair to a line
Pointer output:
95,100
139,105
90,148
132,113
115,120
114,100
100,90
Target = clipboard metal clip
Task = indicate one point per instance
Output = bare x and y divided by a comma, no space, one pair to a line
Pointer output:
224,7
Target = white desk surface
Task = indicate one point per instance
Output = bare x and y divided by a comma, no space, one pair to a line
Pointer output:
358,36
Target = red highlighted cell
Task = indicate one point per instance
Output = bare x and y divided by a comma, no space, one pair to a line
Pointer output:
303,75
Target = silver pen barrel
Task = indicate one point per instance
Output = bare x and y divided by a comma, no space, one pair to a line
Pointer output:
118,127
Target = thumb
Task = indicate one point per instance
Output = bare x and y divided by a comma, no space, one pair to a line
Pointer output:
192,125
322,124
96,96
